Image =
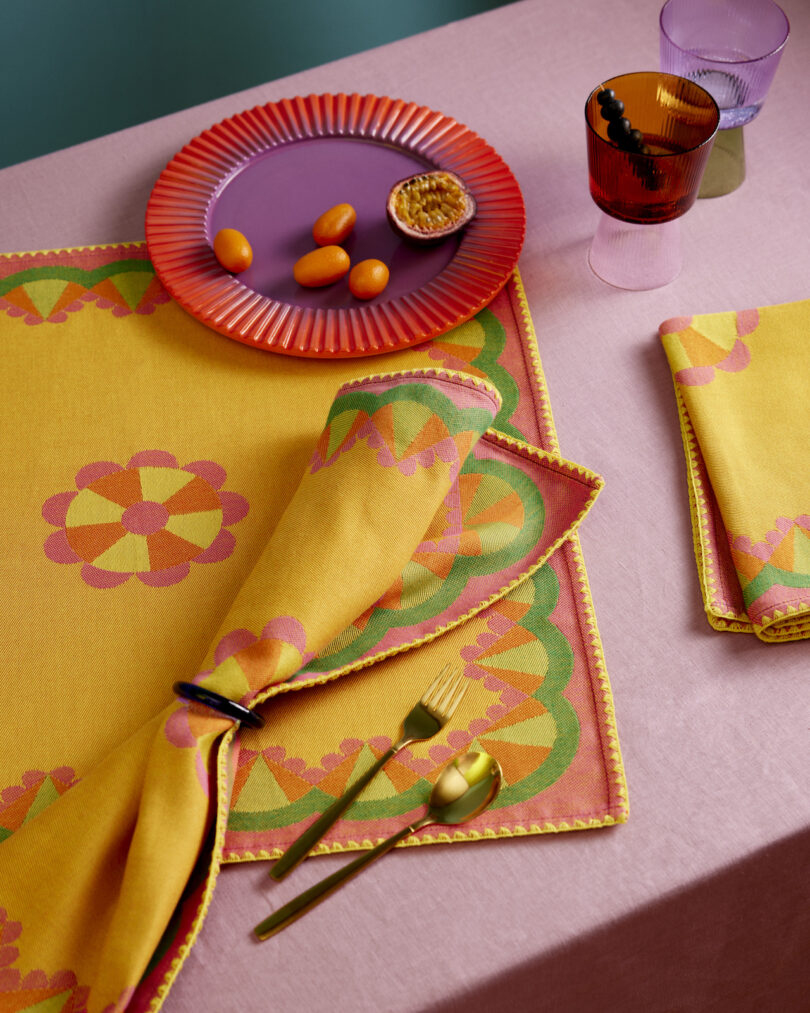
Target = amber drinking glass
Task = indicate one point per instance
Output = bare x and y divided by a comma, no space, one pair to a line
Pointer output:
643,192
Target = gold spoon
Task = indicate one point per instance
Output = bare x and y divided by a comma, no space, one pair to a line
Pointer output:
465,787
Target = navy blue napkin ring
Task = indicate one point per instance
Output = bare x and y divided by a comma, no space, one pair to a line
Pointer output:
219,703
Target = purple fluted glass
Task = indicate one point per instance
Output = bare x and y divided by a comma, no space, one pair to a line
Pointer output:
730,47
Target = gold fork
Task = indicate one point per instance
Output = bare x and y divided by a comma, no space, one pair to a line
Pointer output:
427,717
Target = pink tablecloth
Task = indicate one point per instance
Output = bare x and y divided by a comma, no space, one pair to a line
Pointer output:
700,901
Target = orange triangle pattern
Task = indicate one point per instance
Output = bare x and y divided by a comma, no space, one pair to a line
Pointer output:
439,563
392,599
700,349
514,610
517,761
322,448
243,772
167,549
525,681
122,487
525,711
361,622
791,553
400,776
88,541
782,555
465,352
13,815
433,432
468,487
383,420
747,566
22,300
508,510
438,525
336,781
469,543
22,1000
259,659
517,636
293,786
71,294
194,497
107,290
464,442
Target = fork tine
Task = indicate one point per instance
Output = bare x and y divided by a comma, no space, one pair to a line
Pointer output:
463,685
445,693
452,697
435,686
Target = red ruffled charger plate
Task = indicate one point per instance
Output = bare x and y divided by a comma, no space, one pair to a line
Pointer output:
271,171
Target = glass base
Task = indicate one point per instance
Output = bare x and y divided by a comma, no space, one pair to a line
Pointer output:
725,169
636,257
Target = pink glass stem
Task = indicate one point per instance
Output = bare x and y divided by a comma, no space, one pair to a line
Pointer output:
636,257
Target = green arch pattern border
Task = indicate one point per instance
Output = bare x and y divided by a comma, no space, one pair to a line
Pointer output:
462,570
87,277
550,694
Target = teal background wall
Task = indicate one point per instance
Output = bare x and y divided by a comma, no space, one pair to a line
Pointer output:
71,70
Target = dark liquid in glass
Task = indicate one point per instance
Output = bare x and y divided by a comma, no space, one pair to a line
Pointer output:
636,187
676,119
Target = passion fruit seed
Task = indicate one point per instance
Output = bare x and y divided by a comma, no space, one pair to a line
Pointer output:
430,206
427,202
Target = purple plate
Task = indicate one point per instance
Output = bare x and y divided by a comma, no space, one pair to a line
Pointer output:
271,171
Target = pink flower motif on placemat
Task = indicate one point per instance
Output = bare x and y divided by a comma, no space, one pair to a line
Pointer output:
150,518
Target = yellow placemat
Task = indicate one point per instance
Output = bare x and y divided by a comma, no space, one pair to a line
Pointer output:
147,462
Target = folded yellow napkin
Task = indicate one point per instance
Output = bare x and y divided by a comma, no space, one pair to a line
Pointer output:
741,382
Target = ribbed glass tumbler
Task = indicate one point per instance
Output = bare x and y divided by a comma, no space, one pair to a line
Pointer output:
643,188
732,49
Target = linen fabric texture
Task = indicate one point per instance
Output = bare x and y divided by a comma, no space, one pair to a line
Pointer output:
181,504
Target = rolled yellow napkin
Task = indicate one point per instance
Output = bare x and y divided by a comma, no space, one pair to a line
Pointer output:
741,383
89,885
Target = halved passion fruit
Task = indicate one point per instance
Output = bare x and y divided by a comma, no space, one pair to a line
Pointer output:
431,206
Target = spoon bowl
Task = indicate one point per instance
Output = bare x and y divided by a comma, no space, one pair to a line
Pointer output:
464,789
